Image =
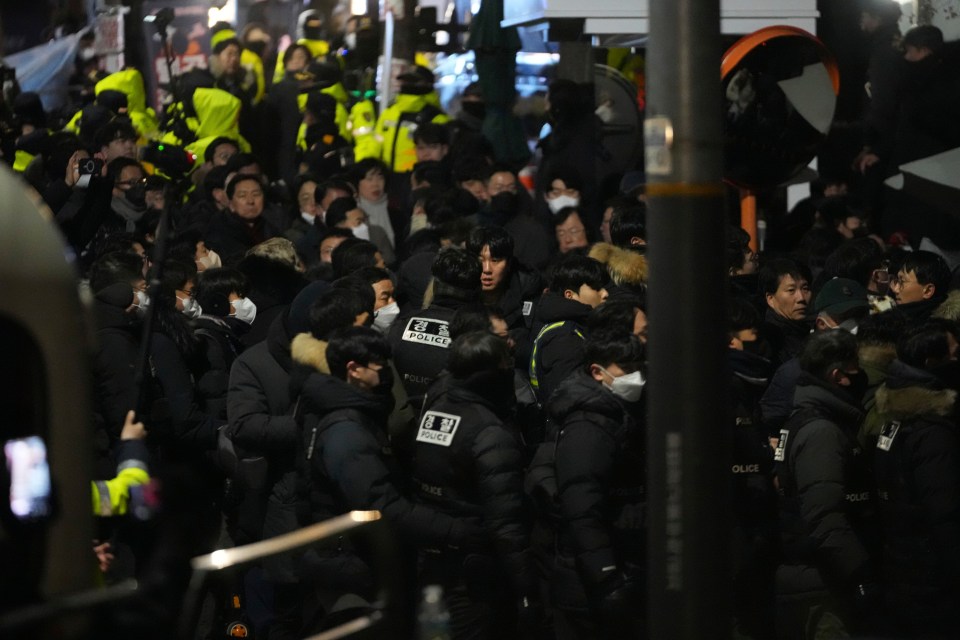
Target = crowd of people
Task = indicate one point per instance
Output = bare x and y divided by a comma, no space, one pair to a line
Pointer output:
348,311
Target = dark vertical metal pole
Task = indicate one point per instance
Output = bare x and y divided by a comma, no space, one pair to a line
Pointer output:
688,435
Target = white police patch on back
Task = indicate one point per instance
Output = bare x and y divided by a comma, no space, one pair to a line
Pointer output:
435,333
527,307
438,428
887,433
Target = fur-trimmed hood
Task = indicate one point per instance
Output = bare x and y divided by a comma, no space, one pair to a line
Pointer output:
626,267
913,393
307,350
949,308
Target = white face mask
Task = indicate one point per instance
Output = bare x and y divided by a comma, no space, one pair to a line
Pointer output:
142,303
191,308
308,218
244,309
362,231
562,201
210,261
350,40
383,319
628,387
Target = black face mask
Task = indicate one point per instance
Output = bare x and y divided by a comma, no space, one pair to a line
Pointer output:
503,206
137,195
477,110
259,47
858,386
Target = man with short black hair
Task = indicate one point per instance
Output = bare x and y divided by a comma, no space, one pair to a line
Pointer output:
578,286
233,232
787,292
116,139
344,403
921,284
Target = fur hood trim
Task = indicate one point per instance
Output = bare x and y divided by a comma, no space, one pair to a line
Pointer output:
307,350
626,267
914,402
879,356
949,308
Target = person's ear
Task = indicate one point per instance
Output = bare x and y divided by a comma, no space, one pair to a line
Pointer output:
928,290
353,368
637,241
838,377
570,294
596,373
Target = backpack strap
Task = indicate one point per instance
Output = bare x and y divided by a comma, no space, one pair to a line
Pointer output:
534,360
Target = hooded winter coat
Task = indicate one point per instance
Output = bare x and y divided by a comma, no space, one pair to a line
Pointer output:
343,432
560,350
918,477
628,269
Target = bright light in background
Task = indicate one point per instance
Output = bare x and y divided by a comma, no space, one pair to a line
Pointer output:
474,6
358,7
227,14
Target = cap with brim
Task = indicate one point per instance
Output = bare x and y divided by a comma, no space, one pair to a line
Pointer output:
840,295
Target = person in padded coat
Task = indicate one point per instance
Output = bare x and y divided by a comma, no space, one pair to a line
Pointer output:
576,288
469,464
827,581
344,401
918,479
597,576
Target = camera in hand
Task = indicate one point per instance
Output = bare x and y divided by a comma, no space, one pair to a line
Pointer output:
90,166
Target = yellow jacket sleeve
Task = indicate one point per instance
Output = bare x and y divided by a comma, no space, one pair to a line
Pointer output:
111,497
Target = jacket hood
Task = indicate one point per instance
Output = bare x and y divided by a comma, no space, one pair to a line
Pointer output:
949,308
218,112
130,82
271,281
877,355
832,403
580,392
912,393
308,351
337,92
751,367
554,308
626,267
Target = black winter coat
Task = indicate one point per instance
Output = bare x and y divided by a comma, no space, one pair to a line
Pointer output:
261,425
115,363
827,518
350,466
558,351
231,237
785,338
601,478
469,464
420,339
918,478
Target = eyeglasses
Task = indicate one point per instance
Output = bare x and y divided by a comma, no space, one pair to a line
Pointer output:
570,233
130,183
190,294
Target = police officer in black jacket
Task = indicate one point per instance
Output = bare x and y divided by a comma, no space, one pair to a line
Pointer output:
598,576
420,338
826,584
469,464
344,400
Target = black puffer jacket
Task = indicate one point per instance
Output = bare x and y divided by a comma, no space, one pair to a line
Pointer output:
918,477
469,465
262,427
601,478
558,351
827,516
350,466
115,363
783,337
420,339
